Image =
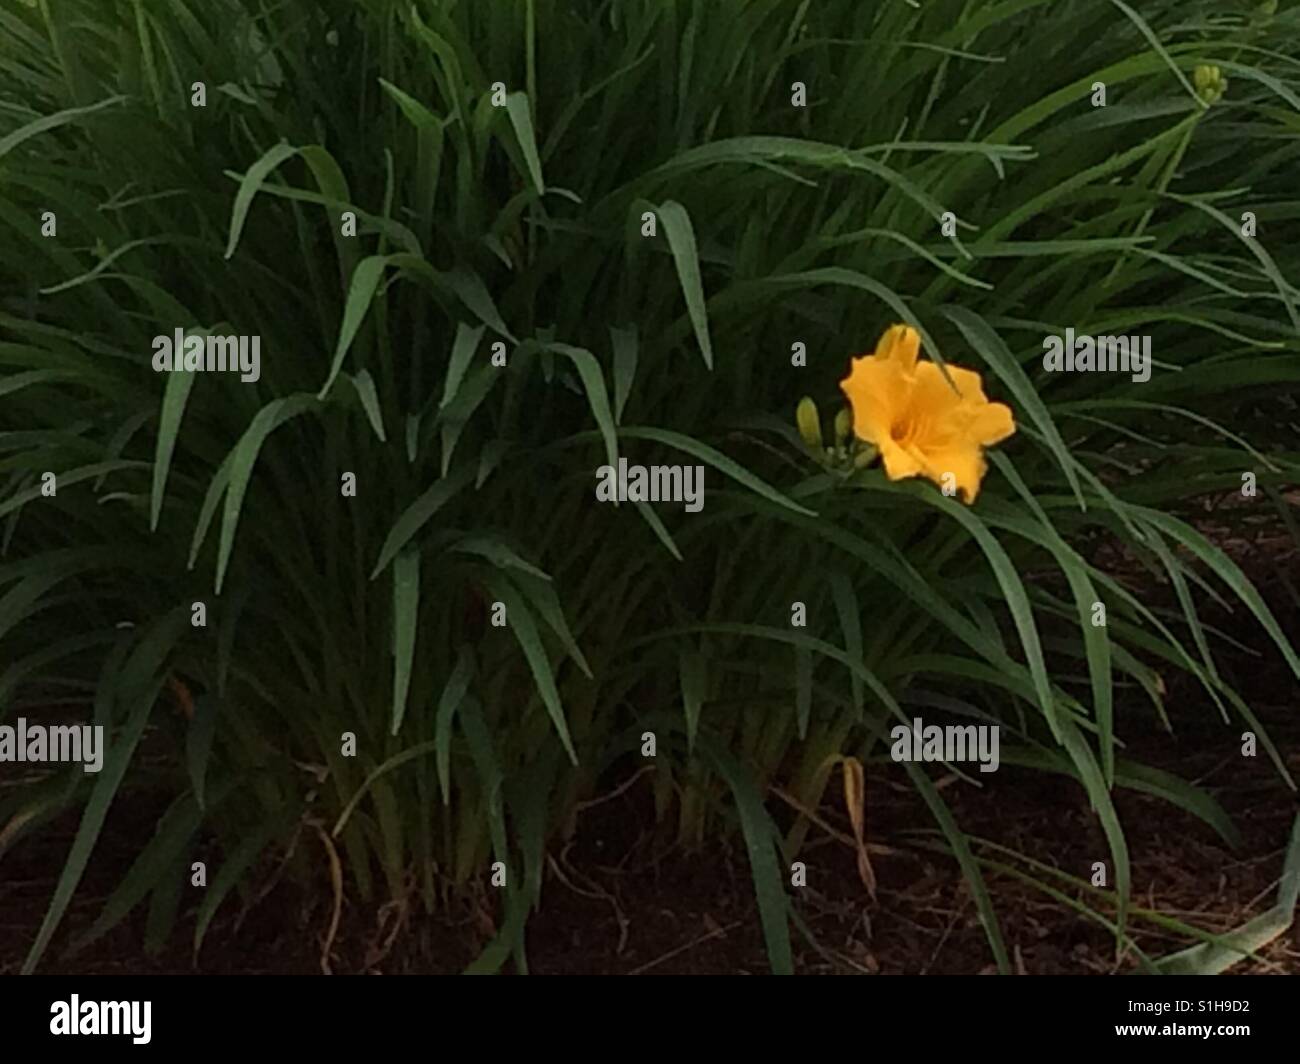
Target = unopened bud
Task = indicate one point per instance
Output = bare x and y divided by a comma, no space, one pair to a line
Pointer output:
810,423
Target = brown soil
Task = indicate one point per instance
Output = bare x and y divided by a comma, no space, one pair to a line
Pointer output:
613,905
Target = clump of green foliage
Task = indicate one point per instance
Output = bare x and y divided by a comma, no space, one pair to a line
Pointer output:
499,160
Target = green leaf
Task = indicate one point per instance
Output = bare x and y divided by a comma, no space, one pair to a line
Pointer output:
487,764
966,860
995,353
656,524
131,688
1211,958
1229,572
453,694
396,761
719,461
498,553
156,860
498,951
245,453
365,388
691,667
47,122
416,113
1013,588
1154,41
597,397
521,119
462,350
361,293
240,859
761,843
803,668
681,239
456,416
850,616
625,357
406,605
541,593
175,393
418,514
519,619
198,743
249,186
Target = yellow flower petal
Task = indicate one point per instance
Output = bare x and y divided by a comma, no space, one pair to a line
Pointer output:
992,424
933,391
962,466
875,388
900,345
924,421
899,462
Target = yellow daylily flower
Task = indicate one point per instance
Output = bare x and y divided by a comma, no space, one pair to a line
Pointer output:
915,418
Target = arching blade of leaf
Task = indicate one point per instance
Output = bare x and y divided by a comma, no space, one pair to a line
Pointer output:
239,861
691,666
48,122
498,553
850,616
268,419
656,524
719,461
364,384
1013,588
625,358
462,350
521,623
498,951
1230,573
175,393
156,860
1211,958
452,695
803,667
970,867
521,119
995,353
406,605
417,515
488,765
396,761
681,239
198,742
597,397
541,594
131,687
762,844
248,188
361,293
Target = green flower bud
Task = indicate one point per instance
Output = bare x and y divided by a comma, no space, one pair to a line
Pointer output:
810,423
1210,83
843,425
865,457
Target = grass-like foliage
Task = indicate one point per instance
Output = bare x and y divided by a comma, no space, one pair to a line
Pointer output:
520,220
